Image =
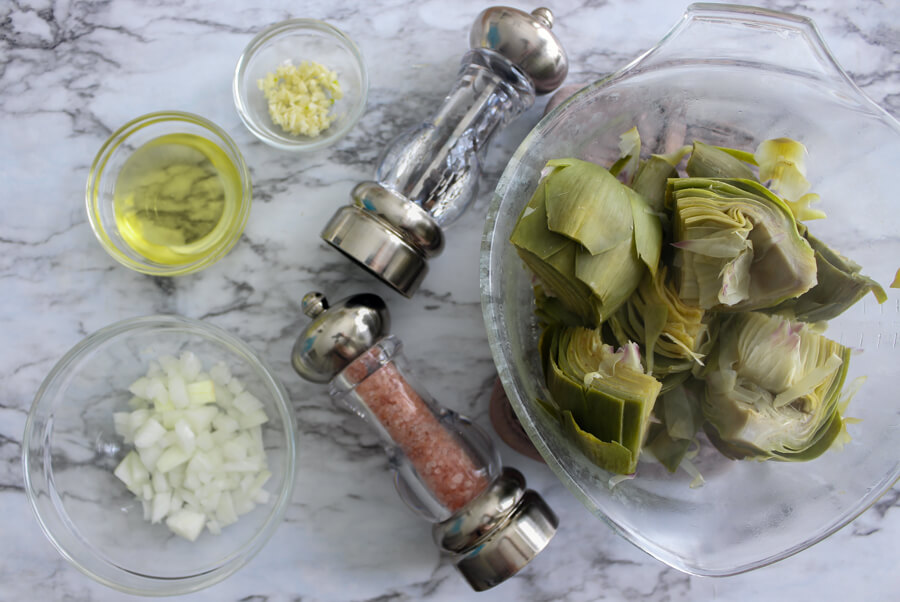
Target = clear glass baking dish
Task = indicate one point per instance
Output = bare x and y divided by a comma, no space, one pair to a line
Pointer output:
733,76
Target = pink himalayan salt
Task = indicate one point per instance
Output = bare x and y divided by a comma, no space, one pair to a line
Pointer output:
437,456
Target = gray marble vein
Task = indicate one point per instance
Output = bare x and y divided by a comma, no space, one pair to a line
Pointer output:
73,72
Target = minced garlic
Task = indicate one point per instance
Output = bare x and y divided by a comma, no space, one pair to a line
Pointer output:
300,98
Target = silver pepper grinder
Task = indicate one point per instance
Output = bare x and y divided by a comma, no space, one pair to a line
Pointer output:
429,174
447,469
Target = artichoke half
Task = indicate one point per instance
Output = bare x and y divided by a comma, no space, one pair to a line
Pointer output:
603,397
773,388
588,238
739,246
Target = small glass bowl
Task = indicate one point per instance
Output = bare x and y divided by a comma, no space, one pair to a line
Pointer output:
298,40
71,449
108,164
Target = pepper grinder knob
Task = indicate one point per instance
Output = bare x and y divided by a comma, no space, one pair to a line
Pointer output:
313,304
337,335
544,15
526,40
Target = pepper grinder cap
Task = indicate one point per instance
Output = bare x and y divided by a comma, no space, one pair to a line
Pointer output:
526,40
387,235
337,334
497,533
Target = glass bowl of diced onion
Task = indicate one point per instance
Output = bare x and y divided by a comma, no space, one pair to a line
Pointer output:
159,455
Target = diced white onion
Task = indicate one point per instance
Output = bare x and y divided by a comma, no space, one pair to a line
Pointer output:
213,526
205,441
139,388
186,437
220,373
235,386
187,523
246,402
161,503
178,391
160,482
150,455
198,459
172,457
149,433
191,365
122,422
202,391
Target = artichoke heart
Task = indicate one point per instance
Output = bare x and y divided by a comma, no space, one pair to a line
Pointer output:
739,246
773,388
603,395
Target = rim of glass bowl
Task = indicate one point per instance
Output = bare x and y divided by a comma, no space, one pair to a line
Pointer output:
260,40
93,195
35,444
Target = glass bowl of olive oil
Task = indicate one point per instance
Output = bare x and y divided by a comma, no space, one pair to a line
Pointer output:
168,194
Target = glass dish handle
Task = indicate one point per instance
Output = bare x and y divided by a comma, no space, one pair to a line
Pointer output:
730,34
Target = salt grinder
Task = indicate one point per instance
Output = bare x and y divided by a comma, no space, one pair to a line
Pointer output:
446,467
429,174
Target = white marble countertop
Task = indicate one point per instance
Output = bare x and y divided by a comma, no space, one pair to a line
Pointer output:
72,72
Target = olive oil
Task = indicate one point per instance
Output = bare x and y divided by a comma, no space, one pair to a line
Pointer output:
176,198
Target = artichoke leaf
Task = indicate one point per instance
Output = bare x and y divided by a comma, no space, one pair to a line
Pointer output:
708,161
680,419
655,318
802,209
650,179
557,278
531,233
782,162
668,450
551,258
681,413
588,205
629,155
551,310
647,231
839,286
611,275
609,455
737,153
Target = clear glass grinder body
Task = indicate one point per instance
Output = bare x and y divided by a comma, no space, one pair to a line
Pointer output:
447,469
